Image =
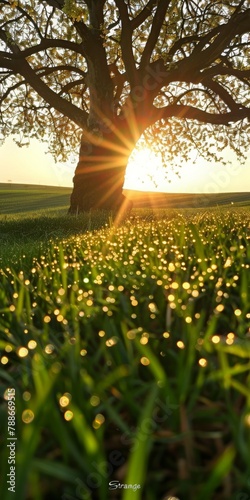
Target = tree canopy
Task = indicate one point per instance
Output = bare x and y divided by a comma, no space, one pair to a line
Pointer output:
178,70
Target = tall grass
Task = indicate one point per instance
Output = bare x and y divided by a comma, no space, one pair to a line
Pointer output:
128,348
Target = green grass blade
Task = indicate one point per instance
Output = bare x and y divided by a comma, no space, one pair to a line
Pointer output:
139,454
220,470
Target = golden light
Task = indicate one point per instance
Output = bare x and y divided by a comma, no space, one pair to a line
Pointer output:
94,400
68,415
166,335
215,339
32,344
144,171
22,352
27,416
99,420
145,361
202,362
180,344
247,420
64,400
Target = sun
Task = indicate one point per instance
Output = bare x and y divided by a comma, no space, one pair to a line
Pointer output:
144,171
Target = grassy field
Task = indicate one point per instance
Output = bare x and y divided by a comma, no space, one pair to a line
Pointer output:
129,353
29,199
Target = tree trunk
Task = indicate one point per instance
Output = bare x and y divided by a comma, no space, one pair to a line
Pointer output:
99,178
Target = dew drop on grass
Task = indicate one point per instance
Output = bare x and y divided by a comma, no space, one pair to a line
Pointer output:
27,416
99,420
171,267
166,335
49,348
94,400
215,339
180,344
203,362
171,498
26,396
172,305
64,401
220,308
111,342
22,352
68,415
175,285
152,307
144,340
131,334
101,333
32,344
145,361
237,312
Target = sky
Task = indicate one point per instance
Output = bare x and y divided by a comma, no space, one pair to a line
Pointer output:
32,165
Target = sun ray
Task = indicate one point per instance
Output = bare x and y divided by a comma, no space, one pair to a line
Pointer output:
144,171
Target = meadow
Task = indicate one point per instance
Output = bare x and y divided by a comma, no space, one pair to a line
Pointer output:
128,348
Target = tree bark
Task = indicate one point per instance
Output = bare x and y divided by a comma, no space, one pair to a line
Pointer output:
98,179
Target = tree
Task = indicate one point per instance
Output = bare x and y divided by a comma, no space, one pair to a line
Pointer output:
109,73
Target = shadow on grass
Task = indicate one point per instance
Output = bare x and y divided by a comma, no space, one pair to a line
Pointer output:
23,235
45,226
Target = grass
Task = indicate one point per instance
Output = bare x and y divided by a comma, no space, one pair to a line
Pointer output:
128,349
28,199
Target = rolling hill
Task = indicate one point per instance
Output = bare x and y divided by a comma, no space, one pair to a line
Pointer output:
28,198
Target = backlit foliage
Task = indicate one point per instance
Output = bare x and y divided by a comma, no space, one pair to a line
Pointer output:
178,70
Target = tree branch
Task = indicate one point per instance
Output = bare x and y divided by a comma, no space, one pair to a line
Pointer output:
71,85
222,93
43,70
144,14
155,31
126,42
51,43
237,25
80,26
220,69
26,14
202,41
189,112
52,98
9,90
